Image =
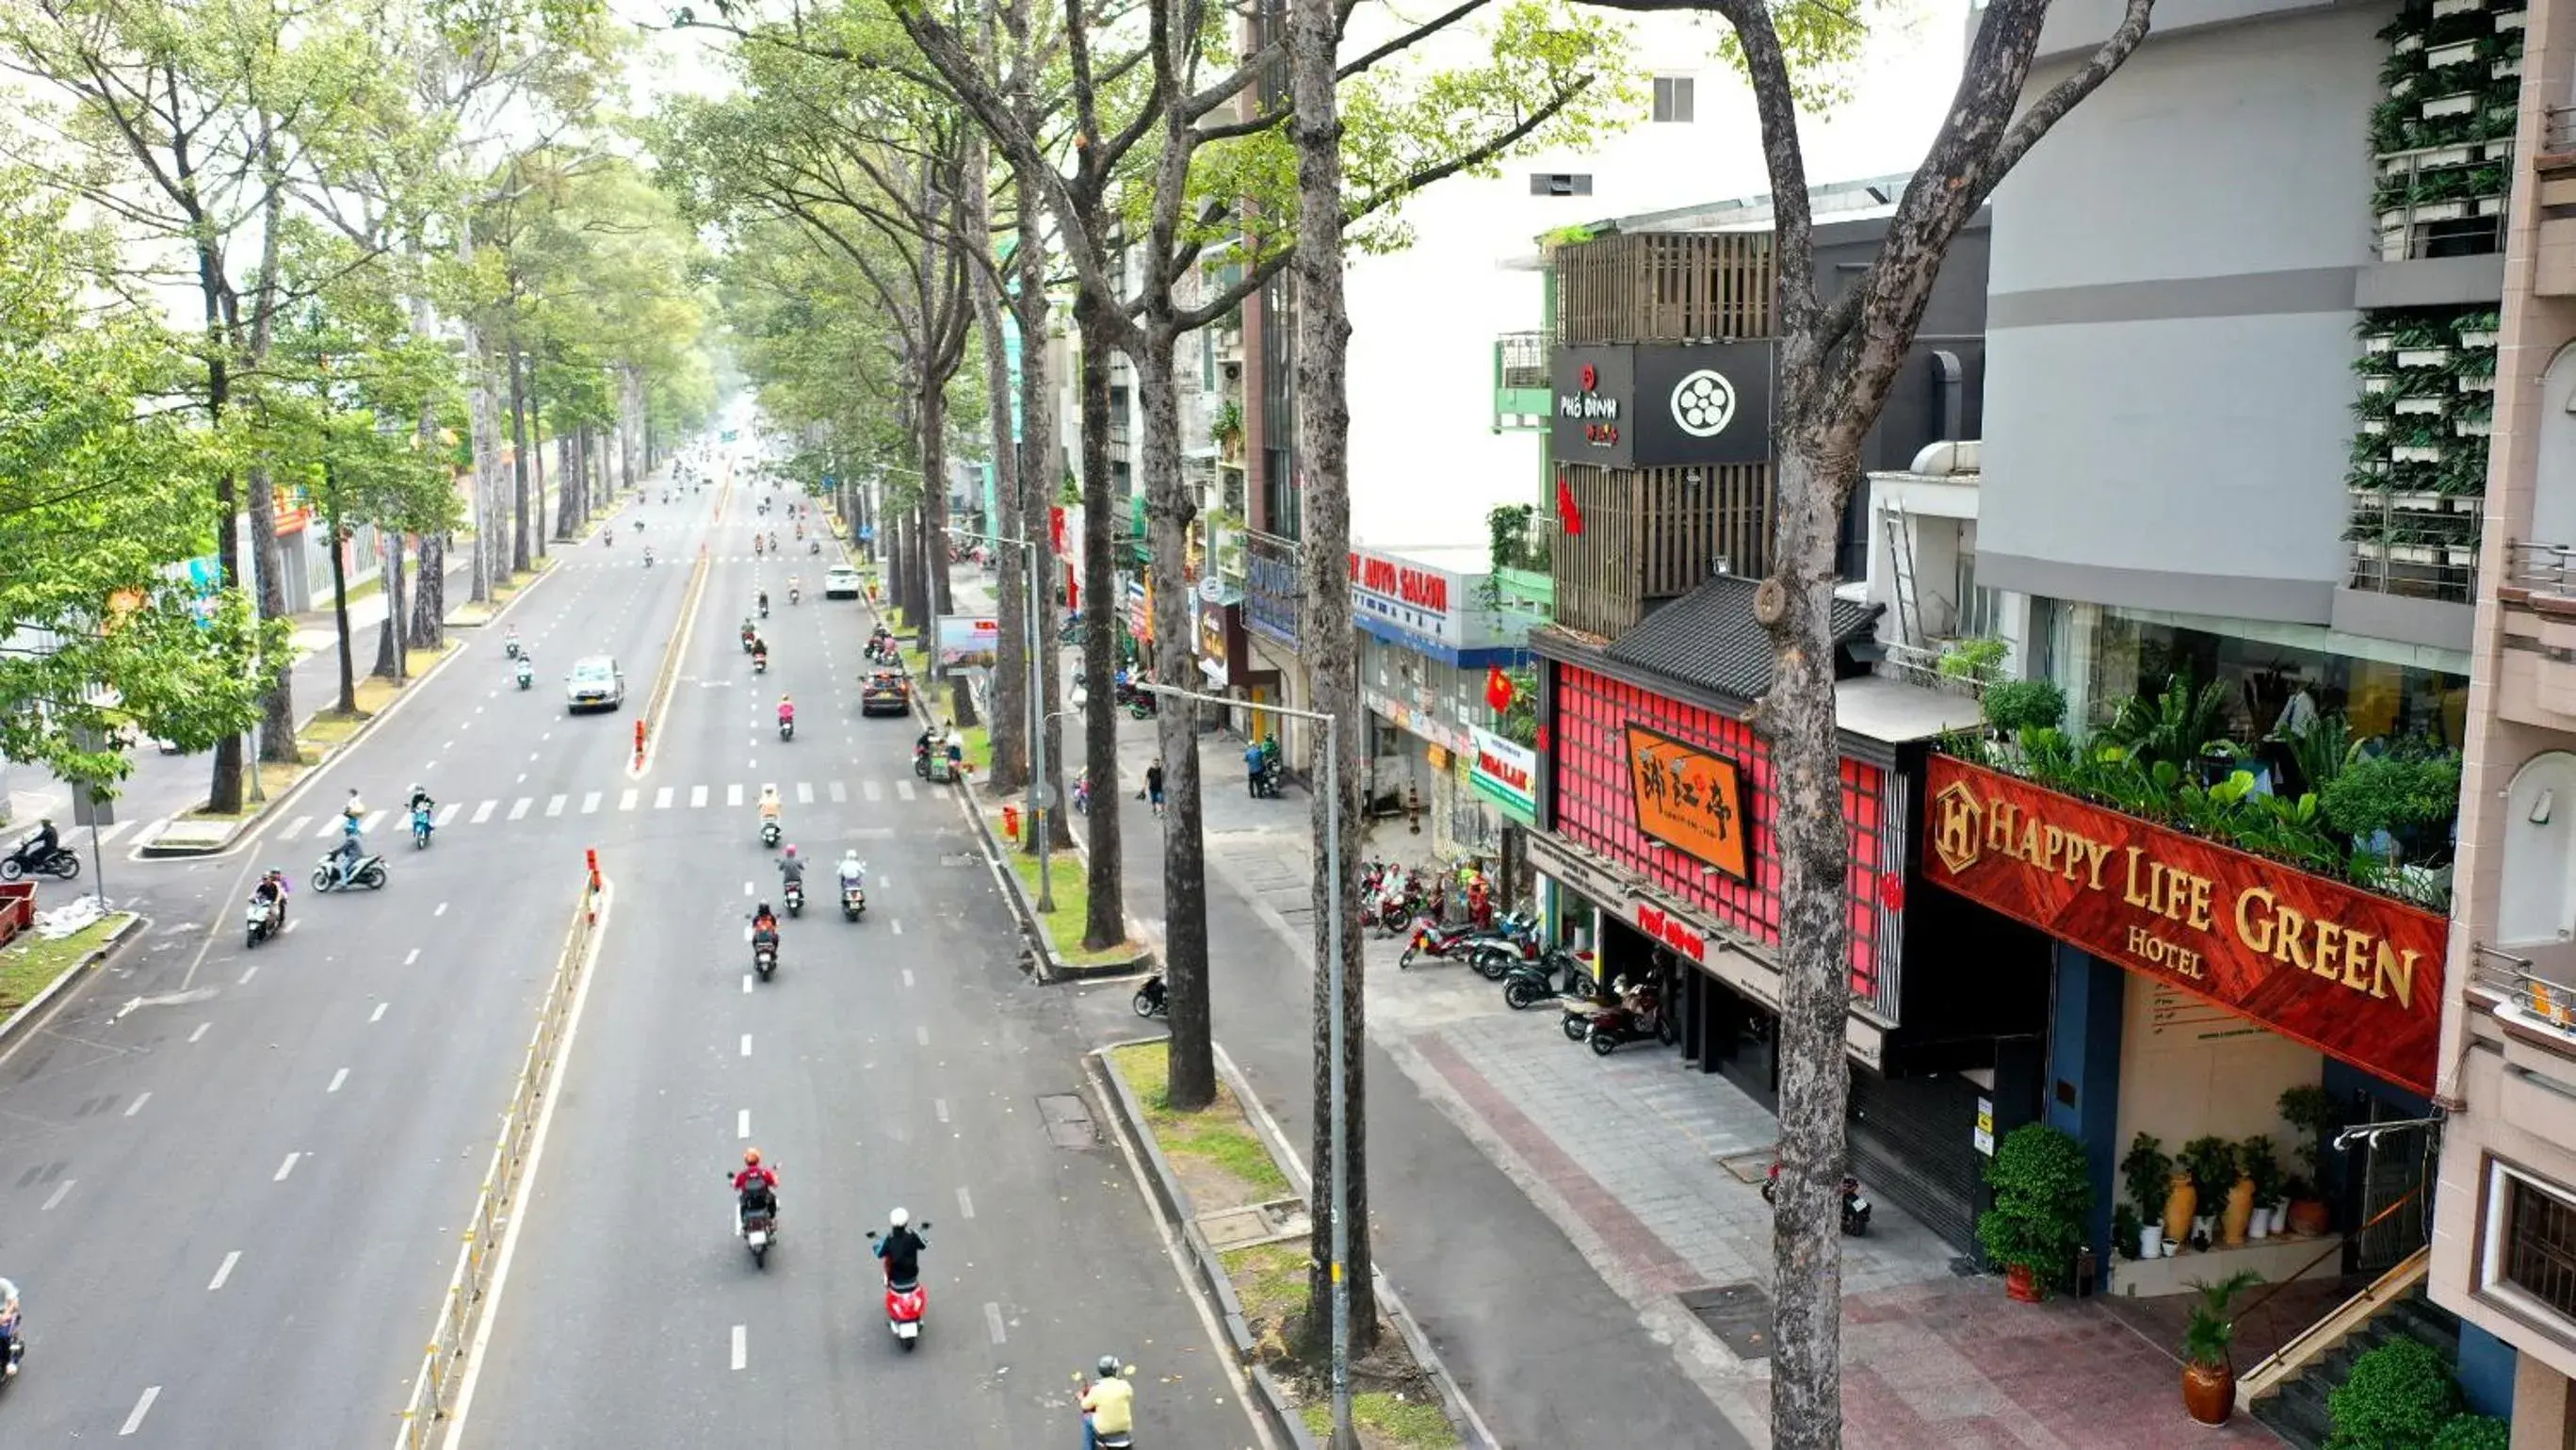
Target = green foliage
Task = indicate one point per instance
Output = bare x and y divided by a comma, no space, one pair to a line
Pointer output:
1227,429
2258,1160
2014,706
2399,1394
1822,42
2043,1191
2211,1328
2312,1110
2147,1172
1508,542
2124,1230
2178,725
2393,792
1519,724
1973,659
2211,1161
2474,1432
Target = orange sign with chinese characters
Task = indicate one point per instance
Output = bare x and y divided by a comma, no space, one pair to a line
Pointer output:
1690,800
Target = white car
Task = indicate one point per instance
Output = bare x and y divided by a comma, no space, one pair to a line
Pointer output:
594,684
841,582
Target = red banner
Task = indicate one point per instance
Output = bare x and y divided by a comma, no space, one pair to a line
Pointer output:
2351,974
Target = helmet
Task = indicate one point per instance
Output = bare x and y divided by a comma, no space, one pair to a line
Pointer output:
791,850
751,1157
1108,1366
898,1218
851,854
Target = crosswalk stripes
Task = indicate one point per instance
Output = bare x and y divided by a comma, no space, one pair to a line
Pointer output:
519,807
590,803
293,828
662,799
373,820
446,813
873,791
483,812
109,834
903,788
626,798
698,797
554,807
840,793
733,794
804,792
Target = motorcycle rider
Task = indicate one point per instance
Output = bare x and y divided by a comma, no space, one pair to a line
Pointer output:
1108,1404
271,893
764,604
12,1344
418,800
901,1248
351,846
791,870
39,848
510,645
755,1186
786,710
527,667
770,805
852,872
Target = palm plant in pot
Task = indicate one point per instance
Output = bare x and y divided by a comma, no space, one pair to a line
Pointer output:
2208,1374
2211,1161
2043,1194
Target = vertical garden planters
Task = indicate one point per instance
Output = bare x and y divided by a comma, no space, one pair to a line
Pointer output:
2422,415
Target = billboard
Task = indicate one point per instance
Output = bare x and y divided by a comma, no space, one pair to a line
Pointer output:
966,640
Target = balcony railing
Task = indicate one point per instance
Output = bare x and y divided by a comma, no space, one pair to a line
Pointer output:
2541,568
1520,360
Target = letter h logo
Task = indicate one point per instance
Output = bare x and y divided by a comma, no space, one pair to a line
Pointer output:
1955,819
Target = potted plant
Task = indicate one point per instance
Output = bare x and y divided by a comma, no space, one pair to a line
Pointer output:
1227,429
2308,1108
2211,1162
2126,1231
2148,1174
2262,1169
2208,1375
2043,1193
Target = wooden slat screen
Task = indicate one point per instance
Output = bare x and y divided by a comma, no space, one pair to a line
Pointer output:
1655,533
1665,287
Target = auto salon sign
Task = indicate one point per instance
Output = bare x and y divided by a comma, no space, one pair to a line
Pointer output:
2349,973
1505,771
1422,601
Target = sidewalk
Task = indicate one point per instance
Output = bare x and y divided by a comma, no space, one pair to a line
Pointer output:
1543,1210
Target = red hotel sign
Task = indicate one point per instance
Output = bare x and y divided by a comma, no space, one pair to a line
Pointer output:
2347,972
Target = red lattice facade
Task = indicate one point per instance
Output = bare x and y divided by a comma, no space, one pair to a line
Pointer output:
1594,807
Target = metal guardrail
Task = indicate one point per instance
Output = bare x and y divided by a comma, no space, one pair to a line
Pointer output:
2541,568
1520,360
433,1389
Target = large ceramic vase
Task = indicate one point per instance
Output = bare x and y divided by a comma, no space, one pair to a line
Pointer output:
2209,1392
2181,1202
2238,1213
2309,1216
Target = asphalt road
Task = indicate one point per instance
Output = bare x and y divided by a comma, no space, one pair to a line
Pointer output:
899,1060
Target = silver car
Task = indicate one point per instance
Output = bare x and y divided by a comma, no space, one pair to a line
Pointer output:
594,684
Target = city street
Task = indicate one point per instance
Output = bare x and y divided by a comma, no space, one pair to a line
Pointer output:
233,1179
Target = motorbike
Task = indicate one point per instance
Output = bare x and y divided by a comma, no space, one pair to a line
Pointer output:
905,1300
259,922
764,609
747,637
795,596
367,871
27,860
648,558
795,893
921,761
13,1345
814,546
755,548
1512,942
760,662
420,828
1082,796
527,676
1526,984
764,953
854,901
1636,1016
510,647
769,833
758,1225
1112,1439
786,727
1151,999
1855,1208
1431,939
1266,781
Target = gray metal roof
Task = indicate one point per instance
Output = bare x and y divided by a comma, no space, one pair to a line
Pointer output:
1710,638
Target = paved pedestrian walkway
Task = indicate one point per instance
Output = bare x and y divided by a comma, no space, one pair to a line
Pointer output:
1614,1187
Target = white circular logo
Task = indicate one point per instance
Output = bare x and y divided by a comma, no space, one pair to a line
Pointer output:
1703,403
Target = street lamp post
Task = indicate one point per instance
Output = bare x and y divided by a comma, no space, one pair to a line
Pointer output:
1339,1048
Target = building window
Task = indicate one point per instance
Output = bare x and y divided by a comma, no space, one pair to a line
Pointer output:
2531,1243
1673,99
1560,183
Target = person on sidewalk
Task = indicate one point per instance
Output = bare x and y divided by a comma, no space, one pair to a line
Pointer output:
1154,785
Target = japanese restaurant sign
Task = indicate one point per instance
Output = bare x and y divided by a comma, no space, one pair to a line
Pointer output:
1689,799
2349,973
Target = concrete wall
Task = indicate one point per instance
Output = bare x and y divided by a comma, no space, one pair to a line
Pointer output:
2189,1069
2170,327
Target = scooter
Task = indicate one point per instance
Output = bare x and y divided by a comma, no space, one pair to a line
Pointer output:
13,1345
758,1227
1431,939
786,727
854,901
368,871
259,923
764,609
510,647
1636,1017
1110,1439
527,676
764,954
1266,781
795,596
60,861
1529,983
1152,1000
748,635
760,662
795,893
420,828
769,833
1513,942
1855,1207
905,1300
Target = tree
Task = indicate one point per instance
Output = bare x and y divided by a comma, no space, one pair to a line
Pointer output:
1839,356
103,486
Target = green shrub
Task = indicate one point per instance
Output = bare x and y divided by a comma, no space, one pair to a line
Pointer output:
2013,706
2124,1230
2397,1397
1978,658
2474,1432
2043,1192
2148,1174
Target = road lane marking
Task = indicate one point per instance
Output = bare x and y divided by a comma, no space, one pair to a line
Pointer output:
142,1407
137,1105
993,1320
60,1192
249,972
442,909
804,792
519,807
921,1035
662,799
379,1014
554,807
289,928
626,798
697,797
483,812
746,890
903,789
293,828
110,833
746,984
872,790
840,793
411,956
285,1168
590,802
907,976
940,1106
746,1044
446,813
200,1032
742,1123
733,794
965,1205
741,1346
373,820
224,1271
895,925
337,1078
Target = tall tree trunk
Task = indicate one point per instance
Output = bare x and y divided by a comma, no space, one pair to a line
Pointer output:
1168,511
340,604
1330,644
537,437
1037,469
519,525
483,428
224,790
933,412
1010,722
1105,925
568,482
390,659
277,711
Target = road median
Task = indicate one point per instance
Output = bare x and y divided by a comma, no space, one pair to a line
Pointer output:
34,971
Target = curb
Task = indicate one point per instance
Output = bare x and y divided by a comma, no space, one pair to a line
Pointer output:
36,1005
667,678
248,825
1174,1201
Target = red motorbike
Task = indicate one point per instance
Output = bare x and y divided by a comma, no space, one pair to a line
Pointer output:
1430,939
905,1303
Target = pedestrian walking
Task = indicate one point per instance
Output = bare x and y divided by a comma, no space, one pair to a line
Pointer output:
1154,785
